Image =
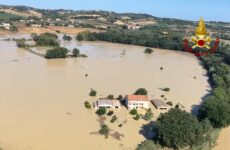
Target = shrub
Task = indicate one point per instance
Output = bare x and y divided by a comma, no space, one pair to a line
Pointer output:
133,112
101,111
104,131
148,51
120,125
79,37
93,92
166,89
110,97
76,52
169,103
137,117
21,42
120,97
114,118
148,114
67,37
58,52
87,105
141,91
110,113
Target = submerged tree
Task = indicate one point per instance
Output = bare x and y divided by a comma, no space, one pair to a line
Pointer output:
141,91
104,130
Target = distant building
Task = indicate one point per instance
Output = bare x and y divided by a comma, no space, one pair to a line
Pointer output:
118,22
70,26
137,101
133,26
107,103
159,104
5,25
36,25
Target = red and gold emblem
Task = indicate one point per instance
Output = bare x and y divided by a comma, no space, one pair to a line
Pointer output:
201,40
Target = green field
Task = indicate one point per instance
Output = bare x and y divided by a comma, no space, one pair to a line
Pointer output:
9,17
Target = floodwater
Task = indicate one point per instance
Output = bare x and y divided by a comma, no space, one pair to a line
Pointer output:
42,101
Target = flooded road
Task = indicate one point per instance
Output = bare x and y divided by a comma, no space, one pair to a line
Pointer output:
38,95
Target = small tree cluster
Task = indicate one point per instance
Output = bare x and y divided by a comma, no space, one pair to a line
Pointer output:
148,114
104,131
67,37
101,111
148,51
58,52
87,105
133,112
76,52
114,118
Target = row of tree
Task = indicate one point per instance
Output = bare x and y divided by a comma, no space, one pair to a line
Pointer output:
145,37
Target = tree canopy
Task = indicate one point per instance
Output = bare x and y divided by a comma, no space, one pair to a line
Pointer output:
46,39
141,91
178,129
58,52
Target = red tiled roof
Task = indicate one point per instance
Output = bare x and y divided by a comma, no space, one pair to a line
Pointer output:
137,98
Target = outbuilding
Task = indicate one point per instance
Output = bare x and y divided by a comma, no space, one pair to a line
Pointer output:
107,103
159,104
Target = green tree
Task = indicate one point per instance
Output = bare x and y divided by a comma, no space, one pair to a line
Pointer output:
148,51
216,110
179,129
110,96
58,52
101,111
137,117
114,118
141,91
87,105
80,37
21,42
104,130
67,37
76,52
46,39
148,114
133,112
93,92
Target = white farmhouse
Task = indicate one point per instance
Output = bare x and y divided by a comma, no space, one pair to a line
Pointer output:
137,101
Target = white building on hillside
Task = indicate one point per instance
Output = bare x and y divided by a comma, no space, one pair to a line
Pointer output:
5,25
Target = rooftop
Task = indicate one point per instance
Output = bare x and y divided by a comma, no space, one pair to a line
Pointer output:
137,98
108,102
159,103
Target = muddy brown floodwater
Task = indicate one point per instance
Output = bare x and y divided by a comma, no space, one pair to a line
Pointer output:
42,101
